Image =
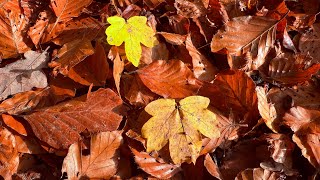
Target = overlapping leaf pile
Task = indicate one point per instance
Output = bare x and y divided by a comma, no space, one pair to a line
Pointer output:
195,89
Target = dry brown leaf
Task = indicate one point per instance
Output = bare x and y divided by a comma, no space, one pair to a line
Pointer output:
309,43
202,68
170,79
60,125
38,30
118,67
153,3
9,158
306,126
14,124
102,161
93,70
26,101
67,9
233,90
288,68
156,167
212,168
71,54
253,35
28,145
23,74
267,109
175,39
79,28
136,92
13,34
257,174
190,9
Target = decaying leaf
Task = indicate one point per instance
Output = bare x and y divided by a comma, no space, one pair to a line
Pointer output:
66,9
181,124
247,34
23,74
60,125
170,79
133,32
102,161
9,157
12,34
154,166
71,54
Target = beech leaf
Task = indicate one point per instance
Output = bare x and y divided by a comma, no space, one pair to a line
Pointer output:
24,74
133,32
102,161
181,123
60,125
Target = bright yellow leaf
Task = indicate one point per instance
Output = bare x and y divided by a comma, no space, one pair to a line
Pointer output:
181,124
133,32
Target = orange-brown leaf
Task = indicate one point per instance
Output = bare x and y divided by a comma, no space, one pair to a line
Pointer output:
67,9
102,161
93,70
170,79
72,53
155,166
14,124
60,125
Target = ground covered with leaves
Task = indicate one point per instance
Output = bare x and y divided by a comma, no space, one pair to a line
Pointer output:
155,89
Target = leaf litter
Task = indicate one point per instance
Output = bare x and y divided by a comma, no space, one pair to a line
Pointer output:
126,89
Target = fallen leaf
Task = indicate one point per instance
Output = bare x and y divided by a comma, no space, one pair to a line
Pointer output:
14,124
305,123
175,39
102,161
257,174
212,168
181,124
133,32
137,93
13,33
155,166
79,28
9,157
92,70
118,67
309,43
60,125
67,9
71,54
38,30
170,79
251,35
233,90
23,74
26,101
202,67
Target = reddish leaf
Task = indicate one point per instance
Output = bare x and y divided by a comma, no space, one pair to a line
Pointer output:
118,67
93,70
26,101
71,54
79,28
155,166
233,90
38,30
9,158
202,68
212,168
257,174
66,9
170,79
14,124
12,36
175,39
100,163
60,125
136,92
305,123
309,43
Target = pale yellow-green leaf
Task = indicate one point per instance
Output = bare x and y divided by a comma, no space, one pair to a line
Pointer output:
132,33
180,124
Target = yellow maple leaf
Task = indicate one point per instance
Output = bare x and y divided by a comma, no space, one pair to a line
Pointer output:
133,32
181,124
